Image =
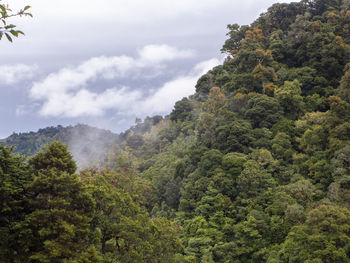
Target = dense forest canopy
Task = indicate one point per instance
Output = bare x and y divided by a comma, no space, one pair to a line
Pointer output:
254,167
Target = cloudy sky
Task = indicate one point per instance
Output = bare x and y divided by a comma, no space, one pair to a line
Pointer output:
106,62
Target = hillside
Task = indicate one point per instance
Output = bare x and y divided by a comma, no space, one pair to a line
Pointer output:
87,144
253,167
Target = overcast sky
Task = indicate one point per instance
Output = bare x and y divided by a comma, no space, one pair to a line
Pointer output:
106,62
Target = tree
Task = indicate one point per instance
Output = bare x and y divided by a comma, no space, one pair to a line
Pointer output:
216,101
279,17
324,237
341,162
234,43
60,219
61,209
13,177
282,147
263,111
122,228
290,98
344,89
249,241
182,110
318,7
56,156
206,82
254,180
266,75
9,30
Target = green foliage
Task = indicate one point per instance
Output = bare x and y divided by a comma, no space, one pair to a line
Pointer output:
122,229
290,97
9,30
206,82
59,222
56,156
324,237
242,164
182,110
263,111
60,209
13,178
253,180
282,147
344,89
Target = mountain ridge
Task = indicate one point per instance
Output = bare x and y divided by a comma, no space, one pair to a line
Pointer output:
88,144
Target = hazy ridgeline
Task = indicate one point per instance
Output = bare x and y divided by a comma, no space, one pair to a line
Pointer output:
87,144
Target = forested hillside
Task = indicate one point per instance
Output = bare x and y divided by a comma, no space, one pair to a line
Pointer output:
254,167
87,144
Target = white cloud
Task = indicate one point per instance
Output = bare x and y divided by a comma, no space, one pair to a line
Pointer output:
27,109
72,78
12,74
162,53
86,103
163,100
66,93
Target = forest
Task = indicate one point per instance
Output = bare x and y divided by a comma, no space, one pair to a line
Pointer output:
253,167
87,144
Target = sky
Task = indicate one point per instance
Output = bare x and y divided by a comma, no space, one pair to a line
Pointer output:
106,62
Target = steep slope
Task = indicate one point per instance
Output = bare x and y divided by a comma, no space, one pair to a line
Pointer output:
256,164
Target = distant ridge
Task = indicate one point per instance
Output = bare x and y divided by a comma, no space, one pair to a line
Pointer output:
87,144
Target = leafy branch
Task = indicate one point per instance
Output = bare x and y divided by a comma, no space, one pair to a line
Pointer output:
9,30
